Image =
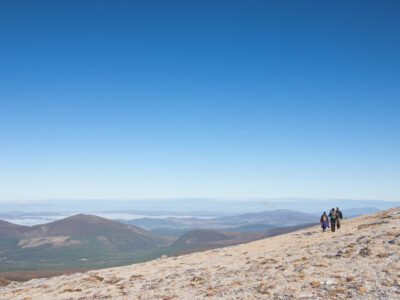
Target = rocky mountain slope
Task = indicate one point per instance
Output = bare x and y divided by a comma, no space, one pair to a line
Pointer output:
205,238
359,261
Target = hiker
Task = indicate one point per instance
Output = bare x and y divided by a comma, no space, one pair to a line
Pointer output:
339,217
333,217
324,221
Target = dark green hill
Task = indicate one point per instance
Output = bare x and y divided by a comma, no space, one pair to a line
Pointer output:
206,238
76,241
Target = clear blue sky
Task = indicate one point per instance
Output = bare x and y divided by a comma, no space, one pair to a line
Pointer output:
214,99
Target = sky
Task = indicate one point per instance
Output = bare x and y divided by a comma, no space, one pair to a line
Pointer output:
199,99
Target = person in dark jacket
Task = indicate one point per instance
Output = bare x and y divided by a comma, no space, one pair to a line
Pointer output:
324,221
339,217
333,217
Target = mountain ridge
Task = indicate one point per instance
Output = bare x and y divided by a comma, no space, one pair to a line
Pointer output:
248,222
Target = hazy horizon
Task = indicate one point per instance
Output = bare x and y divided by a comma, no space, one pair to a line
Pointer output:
35,213
195,205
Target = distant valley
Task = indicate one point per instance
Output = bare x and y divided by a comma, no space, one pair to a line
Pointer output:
249,222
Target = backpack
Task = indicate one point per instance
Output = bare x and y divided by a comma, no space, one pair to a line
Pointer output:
333,214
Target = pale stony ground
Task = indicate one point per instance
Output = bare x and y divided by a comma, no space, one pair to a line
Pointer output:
360,261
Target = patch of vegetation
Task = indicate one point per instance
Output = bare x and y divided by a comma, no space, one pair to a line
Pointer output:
88,256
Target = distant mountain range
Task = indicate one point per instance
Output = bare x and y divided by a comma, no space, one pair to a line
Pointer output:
249,222
185,207
50,214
